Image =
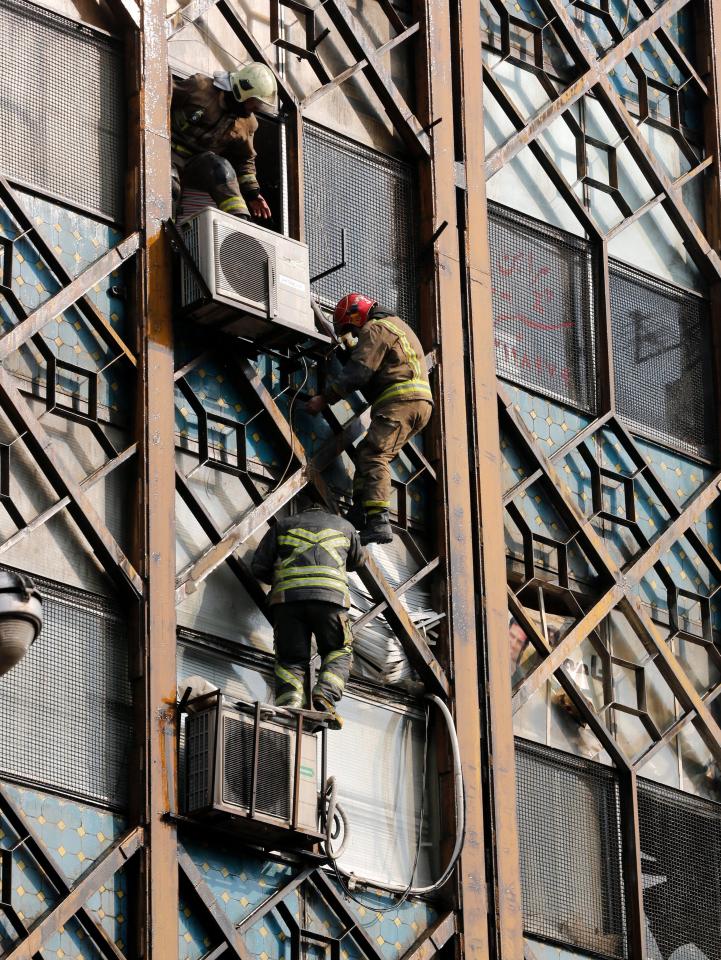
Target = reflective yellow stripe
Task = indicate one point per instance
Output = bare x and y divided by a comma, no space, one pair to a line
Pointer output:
336,655
290,697
303,540
312,570
247,178
232,203
299,583
179,148
287,677
402,389
333,678
410,353
376,503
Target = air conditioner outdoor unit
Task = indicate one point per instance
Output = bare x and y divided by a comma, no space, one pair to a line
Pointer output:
249,281
250,768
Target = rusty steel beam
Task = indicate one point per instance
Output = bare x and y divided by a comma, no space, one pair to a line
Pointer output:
414,643
92,313
127,10
207,524
105,867
92,478
544,117
627,129
153,661
632,869
60,301
368,947
50,460
498,743
360,46
23,828
439,80
213,911
624,580
189,580
379,608
341,78
267,402
186,15
432,940
547,163
673,673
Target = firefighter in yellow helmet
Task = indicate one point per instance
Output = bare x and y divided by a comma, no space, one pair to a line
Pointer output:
212,127
387,363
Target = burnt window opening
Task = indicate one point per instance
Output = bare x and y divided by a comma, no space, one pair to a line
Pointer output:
662,360
680,843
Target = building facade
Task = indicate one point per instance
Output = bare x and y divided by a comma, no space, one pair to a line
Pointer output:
534,187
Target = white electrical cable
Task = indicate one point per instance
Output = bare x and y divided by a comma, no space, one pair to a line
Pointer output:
460,804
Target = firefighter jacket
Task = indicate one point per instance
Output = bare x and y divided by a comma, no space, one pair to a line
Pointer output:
387,364
202,122
308,556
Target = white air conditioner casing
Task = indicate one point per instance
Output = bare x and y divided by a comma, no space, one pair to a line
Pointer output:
220,744
258,280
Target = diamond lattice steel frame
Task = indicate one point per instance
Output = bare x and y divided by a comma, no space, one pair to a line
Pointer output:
615,582
456,263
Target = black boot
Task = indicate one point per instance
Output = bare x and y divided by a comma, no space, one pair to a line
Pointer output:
377,529
323,705
356,516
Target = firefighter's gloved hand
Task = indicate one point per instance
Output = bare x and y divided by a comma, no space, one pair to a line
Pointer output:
316,404
259,208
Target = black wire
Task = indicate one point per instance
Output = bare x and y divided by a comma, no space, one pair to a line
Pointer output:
290,425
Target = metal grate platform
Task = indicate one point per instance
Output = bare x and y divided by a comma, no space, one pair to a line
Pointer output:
570,845
662,360
544,315
372,196
62,109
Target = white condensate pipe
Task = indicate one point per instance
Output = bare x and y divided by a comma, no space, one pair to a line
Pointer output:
334,811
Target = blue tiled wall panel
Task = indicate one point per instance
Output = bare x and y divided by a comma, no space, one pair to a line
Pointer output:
75,835
77,240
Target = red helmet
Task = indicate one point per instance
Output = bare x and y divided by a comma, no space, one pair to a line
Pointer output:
352,310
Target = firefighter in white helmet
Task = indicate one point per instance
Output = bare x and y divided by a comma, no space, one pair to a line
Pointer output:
212,126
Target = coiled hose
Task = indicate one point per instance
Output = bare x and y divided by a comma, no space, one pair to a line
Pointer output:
333,817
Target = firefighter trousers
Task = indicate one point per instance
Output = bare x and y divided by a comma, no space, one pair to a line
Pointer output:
391,427
294,622
210,172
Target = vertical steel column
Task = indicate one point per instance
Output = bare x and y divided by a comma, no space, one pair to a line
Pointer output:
708,39
498,743
149,204
442,322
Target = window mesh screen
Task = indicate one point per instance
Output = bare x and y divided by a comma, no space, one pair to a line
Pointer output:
65,710
570,844
681,864
373,197
61,108
544,315
662,359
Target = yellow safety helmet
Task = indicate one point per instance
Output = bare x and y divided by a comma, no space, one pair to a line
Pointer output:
255,81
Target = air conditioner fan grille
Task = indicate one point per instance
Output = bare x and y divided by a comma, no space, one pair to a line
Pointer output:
243,266
274,755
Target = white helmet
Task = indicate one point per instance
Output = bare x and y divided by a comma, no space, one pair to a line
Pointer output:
255,81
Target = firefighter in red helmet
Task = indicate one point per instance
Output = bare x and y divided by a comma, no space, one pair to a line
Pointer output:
387,363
